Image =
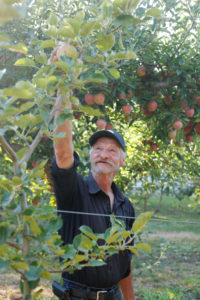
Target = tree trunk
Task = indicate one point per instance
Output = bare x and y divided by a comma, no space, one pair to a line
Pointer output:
26,247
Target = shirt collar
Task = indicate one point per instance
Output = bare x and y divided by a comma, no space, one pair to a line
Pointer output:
94,188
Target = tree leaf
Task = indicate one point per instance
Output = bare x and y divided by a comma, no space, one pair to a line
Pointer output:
79,258
96,78
87,27
16,48
25,62
105,41
133,250
154,12
141,220
90,111
4,264
20,265
115,73
66,31
17,180
34,226
47,44
4,232
127,20
86,243
7,12
62,65
88,231
96,263
46,275
144,246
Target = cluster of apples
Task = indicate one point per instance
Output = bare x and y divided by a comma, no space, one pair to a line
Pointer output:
98,99
126,108
91,99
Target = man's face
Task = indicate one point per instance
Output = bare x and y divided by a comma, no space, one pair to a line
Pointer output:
106,156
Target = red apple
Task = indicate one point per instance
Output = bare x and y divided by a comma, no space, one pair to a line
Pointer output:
127,109
128,118
35,202
153,147
168,99
109,126
177,125
197,128
152,106
198,103
189,112
189,138
184,105
77,114
89,99
101,124
45,138
130,94
141,71
187,129
122,96
99,99
196,97
172,134
146,112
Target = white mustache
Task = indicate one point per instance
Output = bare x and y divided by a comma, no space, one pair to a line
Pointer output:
108,161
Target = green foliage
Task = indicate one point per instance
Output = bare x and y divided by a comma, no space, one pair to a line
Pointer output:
103,44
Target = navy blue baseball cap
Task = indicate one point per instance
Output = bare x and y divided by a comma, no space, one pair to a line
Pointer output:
110,133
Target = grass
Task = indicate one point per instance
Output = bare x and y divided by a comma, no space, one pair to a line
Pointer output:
172,269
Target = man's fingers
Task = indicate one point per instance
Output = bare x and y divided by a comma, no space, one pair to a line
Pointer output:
53,57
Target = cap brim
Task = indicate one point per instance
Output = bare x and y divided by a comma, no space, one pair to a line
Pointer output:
104,133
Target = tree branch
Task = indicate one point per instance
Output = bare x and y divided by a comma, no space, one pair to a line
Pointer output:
39,134
10,151
13,245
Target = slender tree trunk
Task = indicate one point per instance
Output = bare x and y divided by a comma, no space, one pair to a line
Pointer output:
145,203
26,247
160,200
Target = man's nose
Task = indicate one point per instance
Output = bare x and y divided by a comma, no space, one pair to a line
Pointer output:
104,154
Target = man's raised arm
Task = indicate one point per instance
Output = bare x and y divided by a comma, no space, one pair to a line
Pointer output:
63,147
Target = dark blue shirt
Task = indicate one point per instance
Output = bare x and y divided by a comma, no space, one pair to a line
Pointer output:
75,193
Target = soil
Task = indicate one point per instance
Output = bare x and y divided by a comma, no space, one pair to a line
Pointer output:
9,282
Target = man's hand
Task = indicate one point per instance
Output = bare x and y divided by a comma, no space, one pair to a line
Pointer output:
62,49
58,51
126,287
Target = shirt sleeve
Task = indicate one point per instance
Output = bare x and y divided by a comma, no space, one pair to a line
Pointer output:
65,182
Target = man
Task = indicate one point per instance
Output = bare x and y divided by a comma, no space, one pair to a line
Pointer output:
95,194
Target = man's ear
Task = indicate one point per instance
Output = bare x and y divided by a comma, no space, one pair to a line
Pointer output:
122,162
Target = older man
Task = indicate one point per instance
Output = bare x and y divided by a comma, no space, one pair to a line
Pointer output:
96,194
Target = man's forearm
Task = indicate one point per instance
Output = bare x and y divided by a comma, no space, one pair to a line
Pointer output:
63,147
126,287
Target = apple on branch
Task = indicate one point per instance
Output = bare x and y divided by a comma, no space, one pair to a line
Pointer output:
99,99
152,106
101,124
189,138
126,109
141,71
172,134
189,112
89,99
177,125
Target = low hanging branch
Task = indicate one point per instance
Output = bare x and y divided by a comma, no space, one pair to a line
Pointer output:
10,151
